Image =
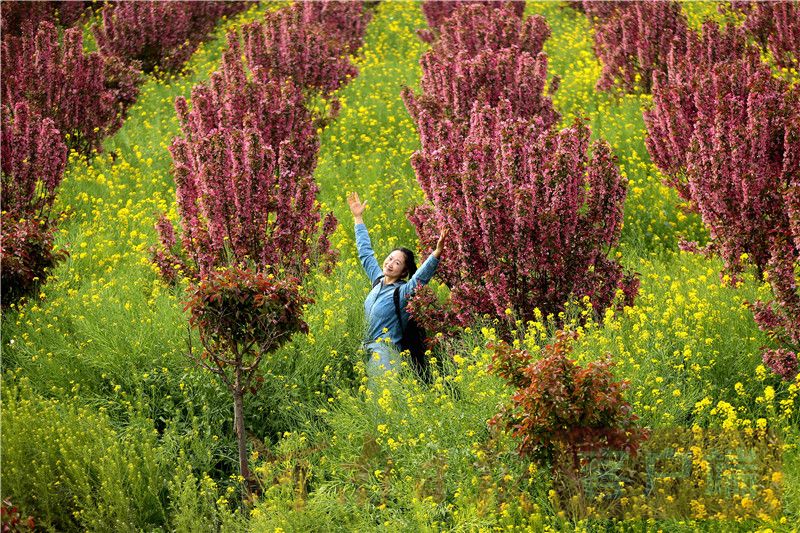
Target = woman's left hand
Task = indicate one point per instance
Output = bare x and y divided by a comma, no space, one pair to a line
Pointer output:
440,243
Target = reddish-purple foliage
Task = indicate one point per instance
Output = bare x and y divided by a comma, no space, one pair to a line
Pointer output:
33,161
532,218
437,12
671,119
782,362
26,256
297,43
158,34
633,41
19,17
561,409
85,95
776,26
244,177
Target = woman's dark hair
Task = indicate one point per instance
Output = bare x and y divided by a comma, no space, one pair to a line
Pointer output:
411,264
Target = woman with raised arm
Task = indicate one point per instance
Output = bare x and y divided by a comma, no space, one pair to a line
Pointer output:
384,329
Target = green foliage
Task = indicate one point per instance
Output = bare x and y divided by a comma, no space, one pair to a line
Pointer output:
64,464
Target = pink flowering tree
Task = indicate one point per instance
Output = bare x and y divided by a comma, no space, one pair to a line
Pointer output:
86,95
345,22
33,160
301,44
634,39
776,26
251,224
158,34
725,133
20,16
532,217
438,11
482,54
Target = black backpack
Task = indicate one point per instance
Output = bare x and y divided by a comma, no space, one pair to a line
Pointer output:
413,339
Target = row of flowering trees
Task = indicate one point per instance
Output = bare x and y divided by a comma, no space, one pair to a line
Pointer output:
634,40
251,226
56,98
533,212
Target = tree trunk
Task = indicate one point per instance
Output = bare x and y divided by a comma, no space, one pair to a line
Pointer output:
241,436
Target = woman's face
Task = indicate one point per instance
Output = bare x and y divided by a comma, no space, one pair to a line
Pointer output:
395,264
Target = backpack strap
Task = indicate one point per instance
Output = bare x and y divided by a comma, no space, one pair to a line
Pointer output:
397,307
377,280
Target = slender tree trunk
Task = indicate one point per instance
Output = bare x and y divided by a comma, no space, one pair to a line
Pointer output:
241,437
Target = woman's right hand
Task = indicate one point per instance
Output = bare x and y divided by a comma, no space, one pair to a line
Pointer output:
356,207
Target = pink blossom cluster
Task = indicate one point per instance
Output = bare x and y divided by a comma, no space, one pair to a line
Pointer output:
158,34
482,54
33,160
309,43
86,95
727,135
782,362
531,215
244,165
776,26
21,16
633,40
438,11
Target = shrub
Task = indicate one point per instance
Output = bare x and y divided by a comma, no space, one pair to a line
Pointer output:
158,34
561,409
674,112
19,17
345,22
726,133
634,40
33,162
532,218
86,95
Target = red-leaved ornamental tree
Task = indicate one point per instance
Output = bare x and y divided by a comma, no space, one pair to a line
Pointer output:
634,39
532,218
33,161
86,95
158,34
561,409
251,224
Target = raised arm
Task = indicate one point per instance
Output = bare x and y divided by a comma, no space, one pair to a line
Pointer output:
424,274
365,253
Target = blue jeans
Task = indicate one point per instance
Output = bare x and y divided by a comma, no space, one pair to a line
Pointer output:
382,358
